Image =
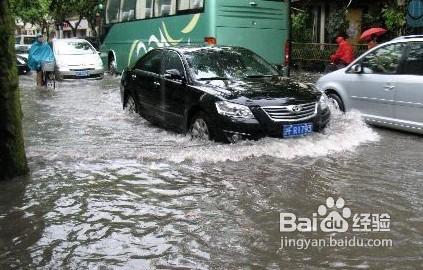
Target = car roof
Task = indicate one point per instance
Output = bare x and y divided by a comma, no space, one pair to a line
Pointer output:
193,48
409,38
65,40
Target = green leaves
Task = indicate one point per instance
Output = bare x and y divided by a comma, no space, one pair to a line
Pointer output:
47,12
394,17
337,23
31,11
301,30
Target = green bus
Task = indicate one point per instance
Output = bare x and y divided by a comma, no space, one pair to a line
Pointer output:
133,27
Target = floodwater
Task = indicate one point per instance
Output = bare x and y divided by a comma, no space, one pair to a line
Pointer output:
107,190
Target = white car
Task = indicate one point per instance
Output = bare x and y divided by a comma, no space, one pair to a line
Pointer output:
77,58
385,84
23,44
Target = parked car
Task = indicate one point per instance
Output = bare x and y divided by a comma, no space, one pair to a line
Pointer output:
23,44
385,84
22,65
221,93
77,58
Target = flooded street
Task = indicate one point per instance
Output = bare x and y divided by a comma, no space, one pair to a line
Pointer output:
108,190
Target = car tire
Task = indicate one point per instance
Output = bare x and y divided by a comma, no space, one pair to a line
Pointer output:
130,104
336,101
112,68
200,127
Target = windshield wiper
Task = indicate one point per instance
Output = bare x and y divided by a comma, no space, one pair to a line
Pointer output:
260,76
212,78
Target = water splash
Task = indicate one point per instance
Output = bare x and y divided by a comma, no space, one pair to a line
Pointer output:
344,133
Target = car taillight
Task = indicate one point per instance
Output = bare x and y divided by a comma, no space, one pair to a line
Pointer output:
287,53
210,40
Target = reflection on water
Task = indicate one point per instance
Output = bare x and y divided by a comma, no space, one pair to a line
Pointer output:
107,189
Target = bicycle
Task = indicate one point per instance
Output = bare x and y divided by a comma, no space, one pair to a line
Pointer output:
49,74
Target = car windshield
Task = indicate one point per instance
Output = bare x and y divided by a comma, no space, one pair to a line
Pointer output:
74,47
227,63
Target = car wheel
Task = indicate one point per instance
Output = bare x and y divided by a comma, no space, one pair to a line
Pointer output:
200,127
130,104
112,66
336,102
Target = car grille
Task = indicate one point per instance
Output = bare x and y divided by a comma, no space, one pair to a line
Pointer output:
291,113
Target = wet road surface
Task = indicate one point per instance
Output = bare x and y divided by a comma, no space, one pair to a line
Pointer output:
107,190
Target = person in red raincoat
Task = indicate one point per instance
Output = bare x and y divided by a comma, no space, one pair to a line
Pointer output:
345,53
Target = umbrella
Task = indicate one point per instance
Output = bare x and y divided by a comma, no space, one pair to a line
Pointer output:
372,31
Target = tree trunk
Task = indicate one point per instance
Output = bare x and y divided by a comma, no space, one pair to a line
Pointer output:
12,152
74,28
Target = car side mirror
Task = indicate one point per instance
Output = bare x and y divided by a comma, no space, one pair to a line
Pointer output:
357,68
173,74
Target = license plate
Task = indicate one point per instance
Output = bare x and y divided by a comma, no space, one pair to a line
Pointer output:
81,73
297,130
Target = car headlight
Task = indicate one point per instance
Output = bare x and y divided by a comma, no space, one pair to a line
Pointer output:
324,102
99,63
233,110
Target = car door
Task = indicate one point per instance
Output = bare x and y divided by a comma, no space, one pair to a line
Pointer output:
146,80
409,92
372,90
174,90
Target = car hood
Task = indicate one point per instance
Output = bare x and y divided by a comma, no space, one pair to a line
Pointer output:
78,59
275,91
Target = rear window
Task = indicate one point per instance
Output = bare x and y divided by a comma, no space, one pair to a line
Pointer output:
29,40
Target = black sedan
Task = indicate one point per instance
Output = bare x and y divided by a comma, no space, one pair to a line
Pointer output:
21,64
221,93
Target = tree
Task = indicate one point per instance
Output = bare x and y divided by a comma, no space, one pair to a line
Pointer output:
12,152
337,23
36,12
395,19
64,9
301,26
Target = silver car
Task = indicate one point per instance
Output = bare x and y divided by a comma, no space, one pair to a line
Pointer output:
385,84
77,58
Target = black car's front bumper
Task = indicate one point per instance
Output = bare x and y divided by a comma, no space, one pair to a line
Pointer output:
230,129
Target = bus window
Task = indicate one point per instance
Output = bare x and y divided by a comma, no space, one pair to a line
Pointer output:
190,4
144,9
128,10
112,11
164,8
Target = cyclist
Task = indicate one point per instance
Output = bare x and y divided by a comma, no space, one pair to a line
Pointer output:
343,56
39,52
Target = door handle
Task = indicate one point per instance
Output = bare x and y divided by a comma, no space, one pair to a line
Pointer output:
157,84
389,87
253,4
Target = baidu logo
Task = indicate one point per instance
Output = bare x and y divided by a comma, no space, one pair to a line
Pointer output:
333,216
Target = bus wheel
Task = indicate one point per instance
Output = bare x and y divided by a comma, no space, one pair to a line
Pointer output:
112,66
